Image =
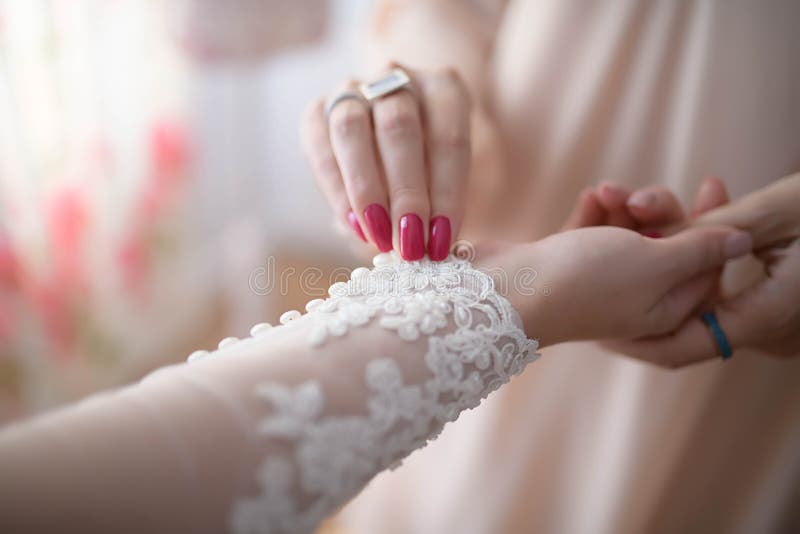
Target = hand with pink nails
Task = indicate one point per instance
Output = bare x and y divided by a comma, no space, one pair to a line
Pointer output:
395,168
764,316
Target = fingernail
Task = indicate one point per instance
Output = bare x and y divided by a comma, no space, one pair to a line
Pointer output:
654,234
737,244
612,189
439,240
353,220
412,237
379,226
642,199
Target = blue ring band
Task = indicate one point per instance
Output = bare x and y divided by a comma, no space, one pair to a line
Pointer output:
719,335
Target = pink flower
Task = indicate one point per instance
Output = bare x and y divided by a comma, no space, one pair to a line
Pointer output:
168,157
132,258
67,218
52,303
9,265
168,151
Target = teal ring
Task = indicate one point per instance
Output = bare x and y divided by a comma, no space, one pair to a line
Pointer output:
719,335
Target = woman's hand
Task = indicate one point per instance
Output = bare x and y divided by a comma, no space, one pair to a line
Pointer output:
602,283
646,210
397,169
766,316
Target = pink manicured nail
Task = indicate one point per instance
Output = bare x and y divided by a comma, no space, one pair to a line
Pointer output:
353,220
412,237
379,226
439,240
655,234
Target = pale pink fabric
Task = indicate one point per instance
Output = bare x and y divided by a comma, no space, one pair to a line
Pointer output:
636,92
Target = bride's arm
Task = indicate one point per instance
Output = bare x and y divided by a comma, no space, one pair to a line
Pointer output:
273,433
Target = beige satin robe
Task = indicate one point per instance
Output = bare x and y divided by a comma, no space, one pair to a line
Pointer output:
636,92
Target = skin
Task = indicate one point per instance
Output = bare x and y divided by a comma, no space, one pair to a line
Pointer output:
447,127
765,317
654,284
409,153
464,39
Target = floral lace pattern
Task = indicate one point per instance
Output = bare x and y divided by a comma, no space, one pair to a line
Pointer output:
474,345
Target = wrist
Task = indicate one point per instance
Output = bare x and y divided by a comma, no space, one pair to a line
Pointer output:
518,275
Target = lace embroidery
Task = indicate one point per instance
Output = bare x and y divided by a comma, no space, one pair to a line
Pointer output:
474,345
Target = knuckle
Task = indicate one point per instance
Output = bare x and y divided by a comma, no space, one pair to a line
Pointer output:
447,90
398,121
451,140
450,73
452,84
408,193
348,119
359,188
326,164
450,77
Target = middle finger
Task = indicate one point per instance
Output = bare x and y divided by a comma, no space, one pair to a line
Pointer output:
398,131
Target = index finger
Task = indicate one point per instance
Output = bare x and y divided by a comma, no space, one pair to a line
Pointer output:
769,214
744,321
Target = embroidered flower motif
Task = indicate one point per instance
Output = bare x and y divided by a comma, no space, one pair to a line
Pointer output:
474,344
294,408
419,313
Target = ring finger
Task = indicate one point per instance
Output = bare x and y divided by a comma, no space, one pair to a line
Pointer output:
317,146
351,137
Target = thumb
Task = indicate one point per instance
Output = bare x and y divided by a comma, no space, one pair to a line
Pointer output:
769,214
682,299
700,249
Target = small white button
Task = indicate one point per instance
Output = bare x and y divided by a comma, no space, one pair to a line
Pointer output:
290,315
227,342
259,329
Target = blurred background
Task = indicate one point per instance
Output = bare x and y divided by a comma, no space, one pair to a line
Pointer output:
149,166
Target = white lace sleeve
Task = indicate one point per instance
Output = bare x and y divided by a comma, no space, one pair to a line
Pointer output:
282,428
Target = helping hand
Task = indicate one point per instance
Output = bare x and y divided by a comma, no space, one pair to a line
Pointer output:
612,283
766,316
396,169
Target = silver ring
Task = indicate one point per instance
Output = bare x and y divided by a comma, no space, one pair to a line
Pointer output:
394,81
344,95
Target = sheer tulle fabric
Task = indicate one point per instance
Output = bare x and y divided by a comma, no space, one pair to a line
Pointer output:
273,433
